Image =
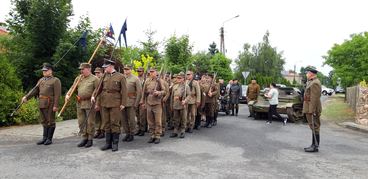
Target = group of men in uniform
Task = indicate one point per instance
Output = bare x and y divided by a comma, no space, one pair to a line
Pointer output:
108,100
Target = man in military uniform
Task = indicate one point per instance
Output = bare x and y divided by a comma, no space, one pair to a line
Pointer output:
312,107
87,84
198,118
48,90
100,132
217,107
194,100
134,88
165,111
235,93
252,92
113,100
153,92
142,112
210,92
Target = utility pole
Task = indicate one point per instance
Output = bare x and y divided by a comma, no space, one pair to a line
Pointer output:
222,36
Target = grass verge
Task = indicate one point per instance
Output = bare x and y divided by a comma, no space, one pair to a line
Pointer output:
336,110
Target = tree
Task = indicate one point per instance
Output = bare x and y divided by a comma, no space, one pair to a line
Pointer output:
212,49
262,61
150,47
177,53
37,27
201,62
350,59
221,66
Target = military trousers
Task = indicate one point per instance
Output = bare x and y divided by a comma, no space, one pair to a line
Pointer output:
142,118
164,117
47,116
111,118
209,109
192,111
98,121
86,126
128,121
180,120
154,114
316,119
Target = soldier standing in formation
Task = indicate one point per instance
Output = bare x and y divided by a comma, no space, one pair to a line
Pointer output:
153,92
210,93
142,112
312,107
48,90
166,105
134,89
179,100
113,100
235,93
194,100
85,114
253,92
100,132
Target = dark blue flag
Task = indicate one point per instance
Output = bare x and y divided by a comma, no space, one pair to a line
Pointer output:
83,39
110,32
123,31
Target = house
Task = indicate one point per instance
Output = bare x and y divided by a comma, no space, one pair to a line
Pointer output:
291,75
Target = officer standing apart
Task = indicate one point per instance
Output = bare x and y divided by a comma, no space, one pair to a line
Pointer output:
194,100
48,90
252,93
179,101
134,88
312,107
153,92
112,101
99,128
235,93
87,84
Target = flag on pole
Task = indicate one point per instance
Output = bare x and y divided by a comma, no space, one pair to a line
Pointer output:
83,39
123,31
110,32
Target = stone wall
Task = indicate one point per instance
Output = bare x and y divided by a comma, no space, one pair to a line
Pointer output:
357,98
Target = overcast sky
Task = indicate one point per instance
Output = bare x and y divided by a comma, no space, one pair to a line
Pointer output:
303,29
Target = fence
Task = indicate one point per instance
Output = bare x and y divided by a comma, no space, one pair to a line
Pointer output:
352,97
357,98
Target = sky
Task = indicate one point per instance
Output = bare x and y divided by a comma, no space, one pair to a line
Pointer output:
304,30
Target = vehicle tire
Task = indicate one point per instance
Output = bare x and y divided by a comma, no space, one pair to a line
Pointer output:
329,94
256,115
324,93
290,114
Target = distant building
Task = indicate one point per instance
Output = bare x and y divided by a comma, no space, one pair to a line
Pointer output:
290,75
3,30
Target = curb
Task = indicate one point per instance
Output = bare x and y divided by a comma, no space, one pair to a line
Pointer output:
354,126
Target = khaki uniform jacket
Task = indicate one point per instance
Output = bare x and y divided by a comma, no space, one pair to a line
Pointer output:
114,91
312,95
253,91
214,90
48,91
149,88
177,96
134,87
194,92
85,89
167,92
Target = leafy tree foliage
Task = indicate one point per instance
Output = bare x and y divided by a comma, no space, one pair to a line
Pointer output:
178,53
350,59
213,49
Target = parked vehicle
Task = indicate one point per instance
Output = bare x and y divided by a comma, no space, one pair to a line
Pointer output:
290,103
224,105
327,91
339,89
243,98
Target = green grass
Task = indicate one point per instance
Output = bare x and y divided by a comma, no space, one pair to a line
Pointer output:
336,110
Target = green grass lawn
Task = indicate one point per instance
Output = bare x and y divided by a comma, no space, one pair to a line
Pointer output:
336,110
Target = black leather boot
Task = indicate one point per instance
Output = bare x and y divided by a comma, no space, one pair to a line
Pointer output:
50,134
236,111
82,143
102,135
115,141
98,132
314,146
130,138
232,112
207,121
108,144
138,132
89,144
141,133
125,138
43,140
151,140
210,120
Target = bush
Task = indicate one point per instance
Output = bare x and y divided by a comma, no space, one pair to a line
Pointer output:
28,113
71,109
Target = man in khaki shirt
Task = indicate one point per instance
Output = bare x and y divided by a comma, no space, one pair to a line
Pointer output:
113,100
134,88
253,92
165,111
48,90
99,128
141,112
194,100
87,84
153,92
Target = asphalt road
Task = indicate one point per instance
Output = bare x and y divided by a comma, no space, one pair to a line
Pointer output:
238,147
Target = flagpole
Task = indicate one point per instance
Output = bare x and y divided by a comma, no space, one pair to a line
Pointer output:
67,51
80,76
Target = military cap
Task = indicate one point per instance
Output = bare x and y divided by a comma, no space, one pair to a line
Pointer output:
175,75
152,69
46,66
84,65
98,70
197,77
210,75
311,69
107,63
181,74
128,67
140,69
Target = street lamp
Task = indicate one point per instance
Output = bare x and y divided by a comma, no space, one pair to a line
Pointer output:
222,37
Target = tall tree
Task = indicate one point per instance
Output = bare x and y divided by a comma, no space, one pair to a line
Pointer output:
213,49
37,27
177,53
150,46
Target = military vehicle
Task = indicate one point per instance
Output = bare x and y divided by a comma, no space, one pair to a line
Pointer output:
290,103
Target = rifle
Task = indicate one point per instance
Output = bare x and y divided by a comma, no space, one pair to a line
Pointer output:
94,95
146,73
214,79
185,83
158,80
80,76
21,103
